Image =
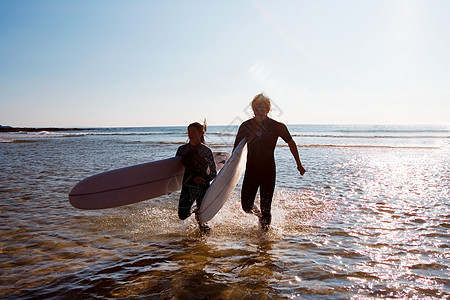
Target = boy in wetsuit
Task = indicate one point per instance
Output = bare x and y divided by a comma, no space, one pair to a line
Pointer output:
200,169
261,134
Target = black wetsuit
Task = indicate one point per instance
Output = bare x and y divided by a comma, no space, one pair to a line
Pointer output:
197,161
260,170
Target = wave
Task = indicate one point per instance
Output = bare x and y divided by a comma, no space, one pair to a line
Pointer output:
18,141
222,133
374,136
365,146
230,145
306,136
230,131
133,133
378,134
370,128
225,134
391,130
233,134
216,144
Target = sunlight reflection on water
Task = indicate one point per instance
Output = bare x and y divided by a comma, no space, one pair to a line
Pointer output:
361,223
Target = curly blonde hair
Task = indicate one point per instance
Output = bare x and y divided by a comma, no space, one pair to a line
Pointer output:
261,99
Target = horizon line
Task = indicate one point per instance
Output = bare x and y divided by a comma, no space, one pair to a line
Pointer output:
210,125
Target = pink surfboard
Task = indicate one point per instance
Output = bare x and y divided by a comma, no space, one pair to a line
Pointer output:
133,184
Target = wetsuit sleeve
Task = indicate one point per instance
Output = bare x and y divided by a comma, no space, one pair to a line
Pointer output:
284,133
240,135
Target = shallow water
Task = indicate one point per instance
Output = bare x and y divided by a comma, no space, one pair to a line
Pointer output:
370,219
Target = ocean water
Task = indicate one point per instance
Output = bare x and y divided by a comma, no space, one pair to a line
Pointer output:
370,219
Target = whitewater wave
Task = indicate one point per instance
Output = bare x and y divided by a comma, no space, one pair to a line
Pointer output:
373,136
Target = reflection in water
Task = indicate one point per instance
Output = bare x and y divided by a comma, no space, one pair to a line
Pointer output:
236,260
364,222
397,225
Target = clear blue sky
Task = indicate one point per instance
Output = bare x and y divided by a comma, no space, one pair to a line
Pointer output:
148,63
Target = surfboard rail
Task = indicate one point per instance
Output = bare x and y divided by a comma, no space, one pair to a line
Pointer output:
128,185
133,184
224,184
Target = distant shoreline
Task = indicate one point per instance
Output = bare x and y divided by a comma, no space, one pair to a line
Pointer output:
38,129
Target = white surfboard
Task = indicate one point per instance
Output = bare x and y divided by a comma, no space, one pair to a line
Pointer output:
225,182
133,184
